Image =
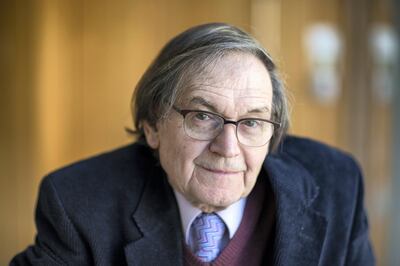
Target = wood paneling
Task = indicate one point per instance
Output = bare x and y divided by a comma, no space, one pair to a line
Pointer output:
17,33
357,122
68,72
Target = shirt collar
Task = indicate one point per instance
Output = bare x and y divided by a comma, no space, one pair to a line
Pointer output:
232,216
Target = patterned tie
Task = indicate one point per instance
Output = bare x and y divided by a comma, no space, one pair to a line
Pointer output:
207,232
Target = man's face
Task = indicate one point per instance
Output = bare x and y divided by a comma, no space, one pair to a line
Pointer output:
214,174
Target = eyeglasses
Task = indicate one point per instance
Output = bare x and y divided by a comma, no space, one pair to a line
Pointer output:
204,125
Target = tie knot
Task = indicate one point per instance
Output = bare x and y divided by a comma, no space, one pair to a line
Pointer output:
207,235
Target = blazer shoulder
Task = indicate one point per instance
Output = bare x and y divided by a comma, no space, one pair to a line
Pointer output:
85,209
112,164
113,177
332,170
313,154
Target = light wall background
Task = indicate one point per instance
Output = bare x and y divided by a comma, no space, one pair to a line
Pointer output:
68,69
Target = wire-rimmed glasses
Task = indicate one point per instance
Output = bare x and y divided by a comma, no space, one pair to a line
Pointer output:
205,125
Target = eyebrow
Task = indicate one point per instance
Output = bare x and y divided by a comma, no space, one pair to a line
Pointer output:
211,107
204,102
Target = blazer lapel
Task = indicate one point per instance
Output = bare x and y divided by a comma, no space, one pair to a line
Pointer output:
300,230
157,218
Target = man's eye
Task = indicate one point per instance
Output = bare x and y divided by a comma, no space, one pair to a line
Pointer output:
251,123
202,116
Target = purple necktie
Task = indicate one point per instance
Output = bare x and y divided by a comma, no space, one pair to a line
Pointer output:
207,233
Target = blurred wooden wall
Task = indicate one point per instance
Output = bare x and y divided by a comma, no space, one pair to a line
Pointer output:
69,67
68,71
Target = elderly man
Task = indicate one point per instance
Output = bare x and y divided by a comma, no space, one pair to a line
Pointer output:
212,179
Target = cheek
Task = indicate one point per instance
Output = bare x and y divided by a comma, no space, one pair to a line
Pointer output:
177,155
254,162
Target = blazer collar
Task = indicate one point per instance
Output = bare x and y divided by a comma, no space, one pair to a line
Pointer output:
157,219
300,230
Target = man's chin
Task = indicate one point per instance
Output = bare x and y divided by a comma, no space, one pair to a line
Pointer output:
210,208
214,206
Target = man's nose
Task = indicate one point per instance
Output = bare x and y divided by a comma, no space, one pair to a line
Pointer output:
226,143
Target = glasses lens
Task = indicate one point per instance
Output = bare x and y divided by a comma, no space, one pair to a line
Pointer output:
253,132
202,125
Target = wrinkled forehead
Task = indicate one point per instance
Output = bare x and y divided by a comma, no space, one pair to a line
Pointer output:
234,79
241,73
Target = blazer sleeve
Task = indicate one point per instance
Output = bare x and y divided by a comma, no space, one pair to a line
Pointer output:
57,241
360,251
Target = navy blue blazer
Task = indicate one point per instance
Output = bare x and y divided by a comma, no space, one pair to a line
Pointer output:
118,209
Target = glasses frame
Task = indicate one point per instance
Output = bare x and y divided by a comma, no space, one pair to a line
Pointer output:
184,113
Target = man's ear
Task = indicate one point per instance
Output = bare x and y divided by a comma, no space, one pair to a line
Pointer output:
151,135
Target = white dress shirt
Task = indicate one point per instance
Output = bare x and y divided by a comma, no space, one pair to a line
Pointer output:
232,216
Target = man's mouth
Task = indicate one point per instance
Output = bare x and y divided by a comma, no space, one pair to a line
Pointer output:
221,171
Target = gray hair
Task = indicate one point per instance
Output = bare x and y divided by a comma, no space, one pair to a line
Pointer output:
183,58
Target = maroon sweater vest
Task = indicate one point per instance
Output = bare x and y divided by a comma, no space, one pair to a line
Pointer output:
252,243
